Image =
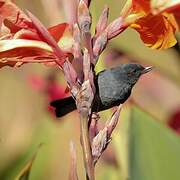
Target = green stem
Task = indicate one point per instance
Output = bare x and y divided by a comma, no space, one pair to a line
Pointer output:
87,154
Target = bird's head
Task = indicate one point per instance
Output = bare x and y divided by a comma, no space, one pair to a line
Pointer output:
132,72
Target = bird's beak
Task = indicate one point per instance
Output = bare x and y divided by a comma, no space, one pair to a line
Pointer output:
147,69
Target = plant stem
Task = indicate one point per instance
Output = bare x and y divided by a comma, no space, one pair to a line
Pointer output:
87,154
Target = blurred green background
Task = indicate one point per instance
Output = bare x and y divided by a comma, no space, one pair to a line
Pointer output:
143,147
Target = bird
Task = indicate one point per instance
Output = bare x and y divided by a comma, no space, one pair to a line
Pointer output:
113,87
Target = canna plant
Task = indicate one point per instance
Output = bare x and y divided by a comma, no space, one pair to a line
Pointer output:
75,50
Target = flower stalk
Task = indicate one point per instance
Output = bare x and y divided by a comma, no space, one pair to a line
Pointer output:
87,154
35,43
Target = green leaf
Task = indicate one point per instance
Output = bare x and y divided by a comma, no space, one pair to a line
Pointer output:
25,171
153,149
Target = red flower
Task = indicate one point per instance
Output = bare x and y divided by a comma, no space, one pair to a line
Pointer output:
49,86
21,40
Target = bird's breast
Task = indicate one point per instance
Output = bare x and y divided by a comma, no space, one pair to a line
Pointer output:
112,90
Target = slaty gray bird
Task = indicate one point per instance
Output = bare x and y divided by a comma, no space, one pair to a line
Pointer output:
113,87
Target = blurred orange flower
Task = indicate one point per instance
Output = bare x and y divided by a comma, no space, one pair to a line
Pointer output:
20,41
155,21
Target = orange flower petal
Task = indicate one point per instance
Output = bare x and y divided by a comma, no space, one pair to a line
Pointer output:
156,21
177,17
157,31
169,6
141,5
159,6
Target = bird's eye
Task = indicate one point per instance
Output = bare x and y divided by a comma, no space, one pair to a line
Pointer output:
132,71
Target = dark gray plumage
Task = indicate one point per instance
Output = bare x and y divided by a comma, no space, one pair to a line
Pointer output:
113,88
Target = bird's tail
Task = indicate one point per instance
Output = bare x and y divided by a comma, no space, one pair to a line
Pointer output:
63,106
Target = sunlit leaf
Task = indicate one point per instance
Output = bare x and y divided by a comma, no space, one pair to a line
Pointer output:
145,148
154,149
